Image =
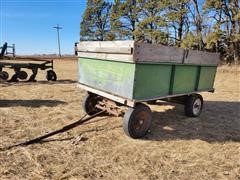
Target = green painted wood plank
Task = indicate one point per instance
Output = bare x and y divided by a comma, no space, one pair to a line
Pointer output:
207,77
110,76
185,79
151,80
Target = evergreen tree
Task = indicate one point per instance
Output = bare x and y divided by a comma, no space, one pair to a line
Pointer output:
212,25
226,15
152,23
95,25
215,39
191,41
177,19
124,18
198,23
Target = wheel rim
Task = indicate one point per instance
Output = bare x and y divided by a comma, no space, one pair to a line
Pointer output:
141,122
197,106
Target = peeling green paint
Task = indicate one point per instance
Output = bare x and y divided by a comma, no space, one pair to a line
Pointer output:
110,76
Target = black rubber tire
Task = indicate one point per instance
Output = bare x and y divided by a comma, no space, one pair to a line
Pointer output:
89,103
4,75
22,75
137,121
51,75
193,105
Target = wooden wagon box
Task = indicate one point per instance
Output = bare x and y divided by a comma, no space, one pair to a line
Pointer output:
137,72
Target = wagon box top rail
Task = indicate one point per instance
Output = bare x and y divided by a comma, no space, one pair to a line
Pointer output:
138,52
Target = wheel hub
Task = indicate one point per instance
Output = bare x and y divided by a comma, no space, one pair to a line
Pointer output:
141,120
197,106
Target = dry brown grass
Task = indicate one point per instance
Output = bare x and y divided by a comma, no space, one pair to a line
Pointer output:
177,147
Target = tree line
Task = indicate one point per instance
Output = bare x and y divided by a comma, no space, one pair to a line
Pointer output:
209,25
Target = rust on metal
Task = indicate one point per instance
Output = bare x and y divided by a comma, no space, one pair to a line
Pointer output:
111,107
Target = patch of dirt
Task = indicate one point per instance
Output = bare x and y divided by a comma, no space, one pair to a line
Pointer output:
177,147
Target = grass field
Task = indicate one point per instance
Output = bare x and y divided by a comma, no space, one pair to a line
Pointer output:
177,147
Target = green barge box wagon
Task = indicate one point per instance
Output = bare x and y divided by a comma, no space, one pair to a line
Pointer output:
122,76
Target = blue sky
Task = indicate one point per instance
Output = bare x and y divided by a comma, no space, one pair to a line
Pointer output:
29,24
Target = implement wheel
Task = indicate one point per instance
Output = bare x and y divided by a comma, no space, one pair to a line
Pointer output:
4,75
89,104
51,75
22,75
193,105
137,121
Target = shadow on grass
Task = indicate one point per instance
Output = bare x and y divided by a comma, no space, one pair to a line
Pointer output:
84,138
25,83
75,141
35,103
62,81
219,122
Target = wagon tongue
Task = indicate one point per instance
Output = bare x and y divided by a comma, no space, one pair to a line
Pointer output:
63,129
